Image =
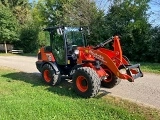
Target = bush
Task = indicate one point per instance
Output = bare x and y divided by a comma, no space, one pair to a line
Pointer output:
28,39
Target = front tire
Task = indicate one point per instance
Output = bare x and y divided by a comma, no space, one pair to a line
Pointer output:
86,82
49,76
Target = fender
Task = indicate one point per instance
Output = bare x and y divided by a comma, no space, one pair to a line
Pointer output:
40,65
54,65
75,68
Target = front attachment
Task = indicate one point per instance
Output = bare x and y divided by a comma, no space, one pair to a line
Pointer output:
134,71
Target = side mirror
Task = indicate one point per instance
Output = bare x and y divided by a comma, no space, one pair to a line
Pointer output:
59,31
88,31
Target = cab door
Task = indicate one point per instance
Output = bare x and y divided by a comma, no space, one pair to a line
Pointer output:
58,49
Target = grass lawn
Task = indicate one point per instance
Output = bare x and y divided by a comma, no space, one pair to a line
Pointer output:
23,54
8,54
24,96
151,67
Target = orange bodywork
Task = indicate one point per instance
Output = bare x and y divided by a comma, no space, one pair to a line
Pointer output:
112,59
46,56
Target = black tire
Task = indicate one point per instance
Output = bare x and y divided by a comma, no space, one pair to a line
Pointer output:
111,80
86,82
49,76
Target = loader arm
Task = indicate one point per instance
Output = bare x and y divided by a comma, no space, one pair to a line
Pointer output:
107,61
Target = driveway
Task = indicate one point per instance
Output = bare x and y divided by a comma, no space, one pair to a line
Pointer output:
145,90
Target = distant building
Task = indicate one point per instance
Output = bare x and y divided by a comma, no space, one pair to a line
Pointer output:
9,47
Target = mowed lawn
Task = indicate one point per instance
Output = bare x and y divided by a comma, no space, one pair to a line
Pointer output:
150,67
25,96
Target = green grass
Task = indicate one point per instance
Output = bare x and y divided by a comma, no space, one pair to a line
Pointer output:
151,67
24,54
8,54
24,96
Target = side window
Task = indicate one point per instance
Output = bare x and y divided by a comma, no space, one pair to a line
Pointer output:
69,37
58,49
58,41
44,39
69,42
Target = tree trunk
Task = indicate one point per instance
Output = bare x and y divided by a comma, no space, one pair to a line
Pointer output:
5,46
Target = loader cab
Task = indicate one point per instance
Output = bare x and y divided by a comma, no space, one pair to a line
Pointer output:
63,43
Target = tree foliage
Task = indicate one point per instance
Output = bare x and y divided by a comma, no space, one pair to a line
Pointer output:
15,19
154,53
29,38
63,12
20,9
80,12
128,18
8,25
69,13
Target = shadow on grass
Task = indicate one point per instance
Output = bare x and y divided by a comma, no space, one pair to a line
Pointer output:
32,78
35,79
102,93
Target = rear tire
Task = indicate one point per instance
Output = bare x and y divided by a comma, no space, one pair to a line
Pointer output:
86,82
111,80
49,76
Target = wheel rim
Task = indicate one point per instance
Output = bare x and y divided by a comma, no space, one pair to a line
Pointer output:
82,83
47,76
109,78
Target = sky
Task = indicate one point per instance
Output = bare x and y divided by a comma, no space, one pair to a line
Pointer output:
153,19
30,0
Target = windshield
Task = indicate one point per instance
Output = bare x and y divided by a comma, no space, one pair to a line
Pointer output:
74,36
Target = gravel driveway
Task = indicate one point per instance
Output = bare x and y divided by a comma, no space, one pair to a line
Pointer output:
145,90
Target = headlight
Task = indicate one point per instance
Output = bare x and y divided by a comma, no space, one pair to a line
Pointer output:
76,52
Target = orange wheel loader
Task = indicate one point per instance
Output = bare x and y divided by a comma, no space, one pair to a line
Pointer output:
89,67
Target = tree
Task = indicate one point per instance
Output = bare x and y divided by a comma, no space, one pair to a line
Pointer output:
80,12
37,13
20,9
155,43
8,26
62,12
129,19
48,12
70,13
29,38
